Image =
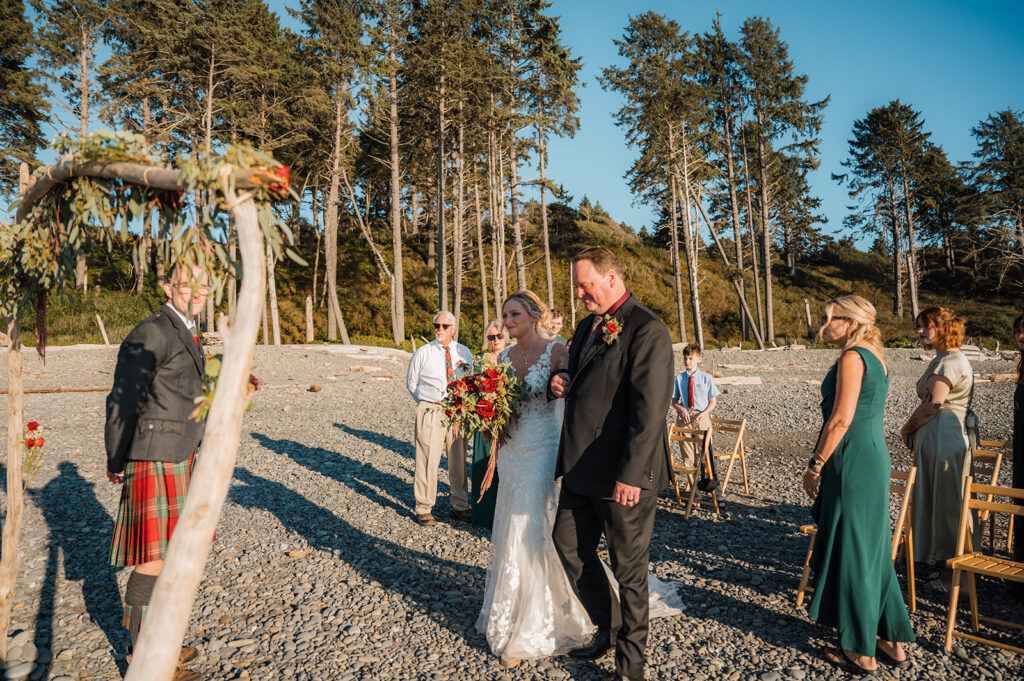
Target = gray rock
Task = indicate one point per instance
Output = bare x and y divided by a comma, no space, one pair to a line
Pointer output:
19,671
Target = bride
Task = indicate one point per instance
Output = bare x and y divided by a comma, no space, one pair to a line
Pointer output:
529,609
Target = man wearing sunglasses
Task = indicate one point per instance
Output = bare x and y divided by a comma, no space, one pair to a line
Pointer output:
431,369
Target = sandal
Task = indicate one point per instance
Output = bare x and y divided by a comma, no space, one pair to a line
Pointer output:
888,659
839,658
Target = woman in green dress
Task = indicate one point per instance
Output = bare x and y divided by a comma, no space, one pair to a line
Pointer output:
855,589
935,433
483,511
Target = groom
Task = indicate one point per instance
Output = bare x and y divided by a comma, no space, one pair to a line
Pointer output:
614,455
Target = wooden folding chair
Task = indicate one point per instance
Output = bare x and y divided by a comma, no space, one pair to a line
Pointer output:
982,498
700,439
737,428
986,461
901,484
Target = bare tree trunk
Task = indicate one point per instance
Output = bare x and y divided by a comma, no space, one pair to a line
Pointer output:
737,232
397,285
766,242
15,478
544,219
316,232
752,232
677,272
912,271
275,322
690,235
492,216
480,255
458,238
159,645
442,271
897,267
335,322
500,198
517,233
81,268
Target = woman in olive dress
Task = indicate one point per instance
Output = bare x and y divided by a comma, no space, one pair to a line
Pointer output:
935,433
483,510
855,588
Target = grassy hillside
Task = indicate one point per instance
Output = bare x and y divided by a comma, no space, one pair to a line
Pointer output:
364,296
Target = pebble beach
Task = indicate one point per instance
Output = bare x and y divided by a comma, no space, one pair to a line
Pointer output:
318,571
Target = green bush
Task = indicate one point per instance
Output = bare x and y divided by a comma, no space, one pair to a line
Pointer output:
900,342
996,326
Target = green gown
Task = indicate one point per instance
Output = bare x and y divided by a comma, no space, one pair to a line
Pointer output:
483,512
856,590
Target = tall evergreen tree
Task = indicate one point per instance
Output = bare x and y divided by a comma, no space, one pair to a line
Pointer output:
23,105
783,121
999,170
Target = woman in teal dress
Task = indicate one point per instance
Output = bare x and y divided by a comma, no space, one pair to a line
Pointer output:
483,511
855,589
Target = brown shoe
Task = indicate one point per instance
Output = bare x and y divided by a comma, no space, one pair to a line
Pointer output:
462,516
184,675
425,519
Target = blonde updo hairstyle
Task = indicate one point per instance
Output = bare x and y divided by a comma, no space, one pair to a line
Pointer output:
534,307
860,311
498,328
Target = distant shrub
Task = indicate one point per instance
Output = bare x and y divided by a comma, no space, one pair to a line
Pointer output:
900,342
999,326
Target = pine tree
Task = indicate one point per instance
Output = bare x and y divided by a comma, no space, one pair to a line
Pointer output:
783,121
23,106
999,170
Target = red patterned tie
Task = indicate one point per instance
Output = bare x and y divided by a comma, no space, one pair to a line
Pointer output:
195,335
689,393
449,370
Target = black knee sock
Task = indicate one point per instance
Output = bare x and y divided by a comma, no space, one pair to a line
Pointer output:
136,597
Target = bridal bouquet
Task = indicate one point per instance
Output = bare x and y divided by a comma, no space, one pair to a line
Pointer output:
487,402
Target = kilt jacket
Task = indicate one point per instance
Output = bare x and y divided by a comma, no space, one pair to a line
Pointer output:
159,374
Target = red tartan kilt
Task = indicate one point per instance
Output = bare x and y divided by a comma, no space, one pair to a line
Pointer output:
151,499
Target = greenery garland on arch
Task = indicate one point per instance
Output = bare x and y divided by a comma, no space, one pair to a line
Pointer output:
87,200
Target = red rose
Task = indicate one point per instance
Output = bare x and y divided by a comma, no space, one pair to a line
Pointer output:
612,327
456,387
39,442
448,413
485,408
30,442
492,374
489,385
32,425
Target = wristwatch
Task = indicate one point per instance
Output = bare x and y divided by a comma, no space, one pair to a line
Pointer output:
815,465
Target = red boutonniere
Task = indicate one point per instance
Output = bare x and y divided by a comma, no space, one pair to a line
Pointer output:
610,329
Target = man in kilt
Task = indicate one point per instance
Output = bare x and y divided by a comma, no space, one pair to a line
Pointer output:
151,442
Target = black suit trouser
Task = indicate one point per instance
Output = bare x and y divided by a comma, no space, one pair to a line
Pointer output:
579,524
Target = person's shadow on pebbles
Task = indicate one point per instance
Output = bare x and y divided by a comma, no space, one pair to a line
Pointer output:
427,581
360,477
79,530
400,447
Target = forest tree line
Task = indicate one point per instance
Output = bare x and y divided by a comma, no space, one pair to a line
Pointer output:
420,126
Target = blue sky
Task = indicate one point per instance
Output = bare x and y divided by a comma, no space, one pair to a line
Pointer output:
955,62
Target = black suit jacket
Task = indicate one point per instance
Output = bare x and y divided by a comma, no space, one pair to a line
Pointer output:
619,394
159,374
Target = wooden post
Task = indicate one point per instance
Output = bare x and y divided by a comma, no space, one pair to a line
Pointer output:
103,331
15,492
156,655
810,326
309,319
413,341
15,457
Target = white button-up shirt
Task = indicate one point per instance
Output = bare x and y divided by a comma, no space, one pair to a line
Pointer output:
189,323
426,377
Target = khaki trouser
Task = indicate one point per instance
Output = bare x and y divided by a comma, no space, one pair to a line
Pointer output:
690,450
432,439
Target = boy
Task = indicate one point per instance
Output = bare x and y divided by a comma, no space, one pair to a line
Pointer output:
694,397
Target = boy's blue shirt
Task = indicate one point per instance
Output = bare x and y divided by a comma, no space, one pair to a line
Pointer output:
704,389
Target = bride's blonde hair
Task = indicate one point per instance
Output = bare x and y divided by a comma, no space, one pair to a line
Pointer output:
531,302
860,311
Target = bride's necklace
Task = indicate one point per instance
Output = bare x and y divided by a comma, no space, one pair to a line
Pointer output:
526,355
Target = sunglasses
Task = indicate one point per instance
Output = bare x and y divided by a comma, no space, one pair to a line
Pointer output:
442,326
495,336
825,319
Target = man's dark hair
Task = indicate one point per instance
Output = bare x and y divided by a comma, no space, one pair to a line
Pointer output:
602,258
692,349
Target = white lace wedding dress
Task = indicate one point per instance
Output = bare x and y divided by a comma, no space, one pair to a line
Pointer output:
529,608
